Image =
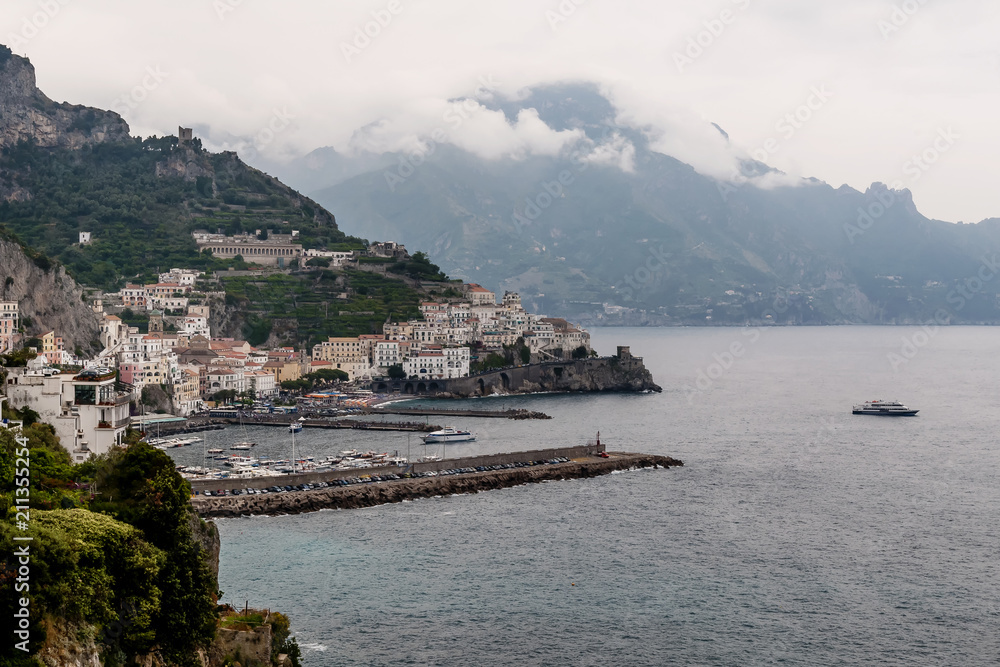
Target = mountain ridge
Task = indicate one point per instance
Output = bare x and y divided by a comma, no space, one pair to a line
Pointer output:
70,173
583,248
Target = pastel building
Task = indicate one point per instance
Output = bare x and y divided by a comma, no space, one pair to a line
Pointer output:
9,322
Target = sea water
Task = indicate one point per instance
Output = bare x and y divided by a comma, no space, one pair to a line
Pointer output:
795,534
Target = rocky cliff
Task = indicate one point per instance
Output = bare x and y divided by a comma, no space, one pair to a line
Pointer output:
620,373
76,644
27,114
49,299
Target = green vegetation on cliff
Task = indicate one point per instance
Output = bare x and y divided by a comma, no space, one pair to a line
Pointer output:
321,303
123,558
141,200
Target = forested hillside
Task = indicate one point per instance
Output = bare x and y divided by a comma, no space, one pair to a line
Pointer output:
67,169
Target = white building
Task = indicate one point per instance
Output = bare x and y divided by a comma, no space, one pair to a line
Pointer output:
336,258
458,313
168,302
262,384
222,379
387,353
89,411
182,277
195,326
437,363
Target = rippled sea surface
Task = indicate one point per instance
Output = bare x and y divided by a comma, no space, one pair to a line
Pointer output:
796,533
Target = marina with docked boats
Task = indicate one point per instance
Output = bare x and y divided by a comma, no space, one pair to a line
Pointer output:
346,490
250,467
232,454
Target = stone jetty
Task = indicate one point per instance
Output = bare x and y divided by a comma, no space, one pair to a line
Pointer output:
381,493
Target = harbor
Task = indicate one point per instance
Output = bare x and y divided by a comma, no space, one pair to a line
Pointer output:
317,491
254,454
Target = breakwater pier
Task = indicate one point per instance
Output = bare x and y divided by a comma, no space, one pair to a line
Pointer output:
511,413
450,476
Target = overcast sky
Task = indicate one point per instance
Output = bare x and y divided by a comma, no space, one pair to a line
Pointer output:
887,81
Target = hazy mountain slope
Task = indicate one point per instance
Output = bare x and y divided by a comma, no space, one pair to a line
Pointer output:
717,255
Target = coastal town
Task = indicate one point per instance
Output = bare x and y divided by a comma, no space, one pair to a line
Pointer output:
157,340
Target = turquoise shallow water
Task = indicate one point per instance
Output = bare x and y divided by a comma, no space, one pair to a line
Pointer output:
796,534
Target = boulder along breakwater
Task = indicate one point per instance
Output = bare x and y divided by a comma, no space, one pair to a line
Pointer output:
394,491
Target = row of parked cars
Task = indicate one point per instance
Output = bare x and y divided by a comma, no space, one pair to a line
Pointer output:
369,479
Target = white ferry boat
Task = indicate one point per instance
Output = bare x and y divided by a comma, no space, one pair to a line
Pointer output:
883,409
449,434
295,427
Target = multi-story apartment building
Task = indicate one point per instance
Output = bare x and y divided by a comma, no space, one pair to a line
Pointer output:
479,295
9,322
195,325
458,313
436,363
263,384
566,336
134,296
89,410
387,353
434,312
187,393
223,379
351,355
54,350
398,331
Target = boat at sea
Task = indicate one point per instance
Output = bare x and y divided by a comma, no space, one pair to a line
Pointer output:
213,451
449,434
883,409
169,443
242,446
295,427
